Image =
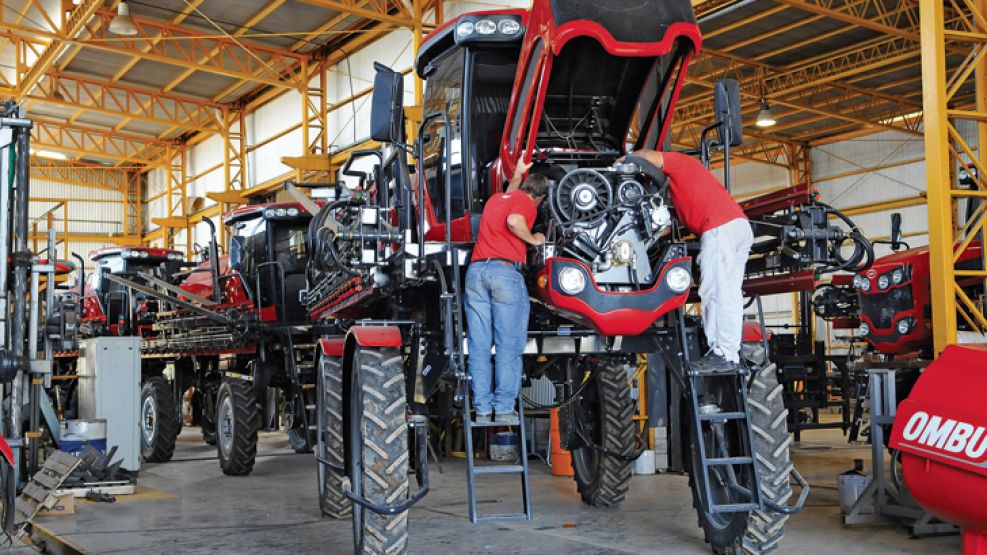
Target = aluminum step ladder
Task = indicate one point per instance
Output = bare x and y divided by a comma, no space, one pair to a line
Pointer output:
708,416
474,470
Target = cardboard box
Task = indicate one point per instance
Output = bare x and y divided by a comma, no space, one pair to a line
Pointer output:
63,507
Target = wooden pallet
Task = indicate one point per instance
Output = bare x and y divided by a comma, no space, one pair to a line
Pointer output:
41,492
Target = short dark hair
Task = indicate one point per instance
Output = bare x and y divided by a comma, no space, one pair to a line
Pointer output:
535,185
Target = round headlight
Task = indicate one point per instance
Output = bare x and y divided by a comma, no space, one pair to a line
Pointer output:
486,27
572,281
464,29
678,279
509,27
280,212
897,276
862,283
292,212
127,254
269,213
144,254
864,329
904,326
883,282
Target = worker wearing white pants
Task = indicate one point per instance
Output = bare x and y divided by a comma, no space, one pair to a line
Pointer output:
722,259
707,209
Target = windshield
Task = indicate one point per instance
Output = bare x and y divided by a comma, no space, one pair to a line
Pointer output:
289,245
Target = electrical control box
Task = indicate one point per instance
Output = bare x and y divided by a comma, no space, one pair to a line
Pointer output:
109,388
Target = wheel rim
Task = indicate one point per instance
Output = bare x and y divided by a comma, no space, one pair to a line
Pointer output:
149,421
225,425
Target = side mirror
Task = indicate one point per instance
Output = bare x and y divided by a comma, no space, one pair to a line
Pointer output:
727,99
386,113
896,231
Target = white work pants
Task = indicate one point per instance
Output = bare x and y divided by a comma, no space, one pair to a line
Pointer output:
722,257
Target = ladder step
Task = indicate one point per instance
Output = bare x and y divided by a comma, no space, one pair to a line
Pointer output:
734,508
722,416
505,516
730,460
309,407
304,346
476,424
499,469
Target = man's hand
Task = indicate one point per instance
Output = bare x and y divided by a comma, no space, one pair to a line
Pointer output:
520,169
539,239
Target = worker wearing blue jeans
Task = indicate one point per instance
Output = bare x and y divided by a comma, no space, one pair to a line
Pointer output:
497,298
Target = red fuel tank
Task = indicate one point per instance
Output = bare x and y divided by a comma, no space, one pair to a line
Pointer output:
941,430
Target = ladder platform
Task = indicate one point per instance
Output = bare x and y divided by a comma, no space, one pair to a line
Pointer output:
505,516
722,416
730,460
493,424
499,469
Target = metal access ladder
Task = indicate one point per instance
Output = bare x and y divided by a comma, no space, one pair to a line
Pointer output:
748,499
474,470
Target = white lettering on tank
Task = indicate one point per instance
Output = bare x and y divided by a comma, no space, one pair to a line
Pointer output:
915,426
957,440
977,452
937,431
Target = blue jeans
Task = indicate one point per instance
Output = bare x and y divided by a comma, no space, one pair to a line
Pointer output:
497,314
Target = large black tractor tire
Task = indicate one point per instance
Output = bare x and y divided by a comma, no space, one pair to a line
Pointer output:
236,427
769,418
297,430
604,416
330,447
378,423
159,422
204,404
754,532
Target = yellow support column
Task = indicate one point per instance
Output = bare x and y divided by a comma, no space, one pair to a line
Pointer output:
938,174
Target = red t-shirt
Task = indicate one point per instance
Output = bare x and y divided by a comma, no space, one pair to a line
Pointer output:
495,239
700,200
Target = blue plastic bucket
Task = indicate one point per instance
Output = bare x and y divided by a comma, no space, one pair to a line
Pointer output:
77,434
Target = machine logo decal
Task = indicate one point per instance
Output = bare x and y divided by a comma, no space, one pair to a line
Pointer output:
946,434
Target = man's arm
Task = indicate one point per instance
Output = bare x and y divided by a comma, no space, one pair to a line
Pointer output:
519,227
518,176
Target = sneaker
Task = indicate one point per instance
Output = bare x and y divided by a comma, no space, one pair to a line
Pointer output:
482,418
712,363
508,418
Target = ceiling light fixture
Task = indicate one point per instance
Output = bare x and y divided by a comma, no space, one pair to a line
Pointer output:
51,154
122,23
765,118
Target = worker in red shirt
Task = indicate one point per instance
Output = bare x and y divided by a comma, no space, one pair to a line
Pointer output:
707,209
497,297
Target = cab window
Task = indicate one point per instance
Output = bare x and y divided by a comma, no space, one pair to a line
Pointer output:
444,92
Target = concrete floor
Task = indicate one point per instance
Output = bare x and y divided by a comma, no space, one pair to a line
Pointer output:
187,506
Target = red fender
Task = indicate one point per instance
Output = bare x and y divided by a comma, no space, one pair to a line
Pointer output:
6,451
332,346
376,336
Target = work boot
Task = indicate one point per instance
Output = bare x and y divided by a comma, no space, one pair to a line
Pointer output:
508,418
713,363
482,418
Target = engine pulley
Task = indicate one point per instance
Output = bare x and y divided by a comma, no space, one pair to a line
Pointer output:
582,197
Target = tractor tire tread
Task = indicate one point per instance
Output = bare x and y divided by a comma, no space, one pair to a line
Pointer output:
385,449
162,449
610,486
244,448
333,501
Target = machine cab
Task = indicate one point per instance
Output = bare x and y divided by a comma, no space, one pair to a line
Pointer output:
569,83
268,251
113,304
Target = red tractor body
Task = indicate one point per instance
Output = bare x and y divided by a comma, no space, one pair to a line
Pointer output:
895,305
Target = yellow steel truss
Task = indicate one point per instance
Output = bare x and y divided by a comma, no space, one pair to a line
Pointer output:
949,150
